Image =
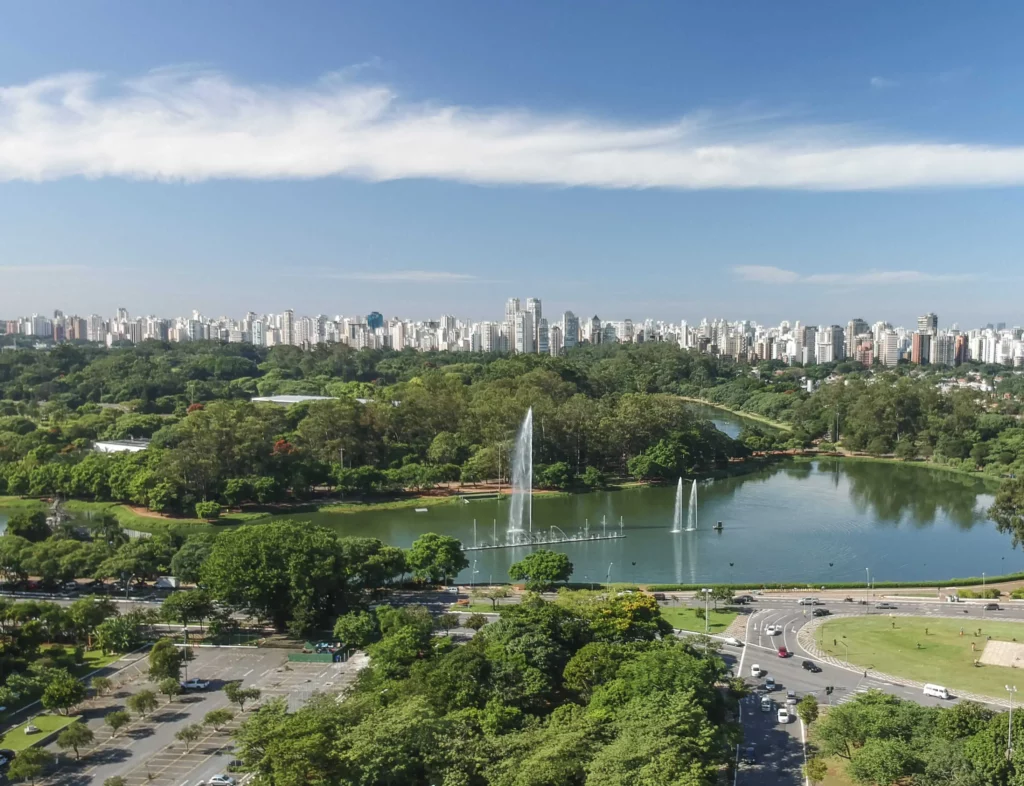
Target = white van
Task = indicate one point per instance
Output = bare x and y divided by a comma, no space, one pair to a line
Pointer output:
937,691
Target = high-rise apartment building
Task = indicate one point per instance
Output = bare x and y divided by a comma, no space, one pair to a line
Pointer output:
524,333
543,337
944,350
921,348
288,335
570,330
555,340
533,306
854,328
889,348
928,323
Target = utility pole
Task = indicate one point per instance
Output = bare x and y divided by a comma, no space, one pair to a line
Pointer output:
707,626
1011,689
867,585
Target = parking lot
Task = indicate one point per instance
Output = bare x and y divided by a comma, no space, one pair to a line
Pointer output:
146,751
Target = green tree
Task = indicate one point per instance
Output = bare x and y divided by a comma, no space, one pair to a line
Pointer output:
493,594
101,685
164,661
880,762
593,665
187,562
236,694
189,734
170,687
285,572
815,770
475,621
142,703
62,692
218,718
1008,509
807,709
123,633
435,558
357,629
962,720
30,526
75,736
207,510
117,720
117,780
541,568
29,765
186,606
446,622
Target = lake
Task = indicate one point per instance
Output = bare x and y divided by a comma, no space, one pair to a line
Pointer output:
796,520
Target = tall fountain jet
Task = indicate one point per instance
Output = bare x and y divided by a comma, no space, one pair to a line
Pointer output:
520,515
691,516
677,515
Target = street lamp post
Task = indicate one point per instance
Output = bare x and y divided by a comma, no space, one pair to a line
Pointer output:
867,585
1010,689
472,577
608,575
707,595
847,652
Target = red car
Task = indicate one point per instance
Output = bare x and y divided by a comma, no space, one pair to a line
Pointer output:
784,653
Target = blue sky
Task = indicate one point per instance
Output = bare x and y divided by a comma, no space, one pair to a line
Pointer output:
677,160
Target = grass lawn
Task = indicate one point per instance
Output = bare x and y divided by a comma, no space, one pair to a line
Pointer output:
18,740
685,618
944,657
836,773
94,659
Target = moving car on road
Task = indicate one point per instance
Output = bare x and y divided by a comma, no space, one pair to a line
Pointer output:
784,653
733,641
195,684
749,755
885,605
773,630
222,780
755,670
769,684
820,613
791,697
783,715
767,704
811,666
993,607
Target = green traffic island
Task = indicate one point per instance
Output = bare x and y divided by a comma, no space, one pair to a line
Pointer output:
38,731
942,651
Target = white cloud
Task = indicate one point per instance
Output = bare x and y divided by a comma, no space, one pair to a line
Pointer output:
405,277
183,125
767,274
880,82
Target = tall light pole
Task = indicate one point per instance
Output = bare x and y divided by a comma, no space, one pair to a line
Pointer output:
1011,689
867,585
608,575
707,596
472,576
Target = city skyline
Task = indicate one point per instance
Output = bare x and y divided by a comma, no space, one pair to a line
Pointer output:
656,159
529,329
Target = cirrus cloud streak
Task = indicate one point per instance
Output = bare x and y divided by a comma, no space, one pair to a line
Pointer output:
179,125
767,274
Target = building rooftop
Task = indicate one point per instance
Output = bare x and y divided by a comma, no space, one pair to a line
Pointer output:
289,400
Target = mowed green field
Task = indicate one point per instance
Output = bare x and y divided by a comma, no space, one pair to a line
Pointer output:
683,618
942,656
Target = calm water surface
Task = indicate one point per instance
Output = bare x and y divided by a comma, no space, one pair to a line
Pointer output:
801,521
794,521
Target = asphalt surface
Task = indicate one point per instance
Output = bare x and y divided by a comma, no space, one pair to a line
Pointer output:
779,749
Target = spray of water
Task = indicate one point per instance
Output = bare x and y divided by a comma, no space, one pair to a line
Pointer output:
691,516
520,515
677,514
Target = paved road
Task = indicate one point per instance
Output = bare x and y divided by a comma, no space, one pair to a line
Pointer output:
779,748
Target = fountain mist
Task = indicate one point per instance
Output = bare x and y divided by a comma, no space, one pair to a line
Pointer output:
691,516
677,514
520,515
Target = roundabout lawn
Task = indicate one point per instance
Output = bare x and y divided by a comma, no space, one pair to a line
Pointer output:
943,656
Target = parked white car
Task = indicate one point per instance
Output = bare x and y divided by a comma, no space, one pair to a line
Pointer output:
195,684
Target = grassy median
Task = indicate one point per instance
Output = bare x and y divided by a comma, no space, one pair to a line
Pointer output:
17,740
684,618
925,649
